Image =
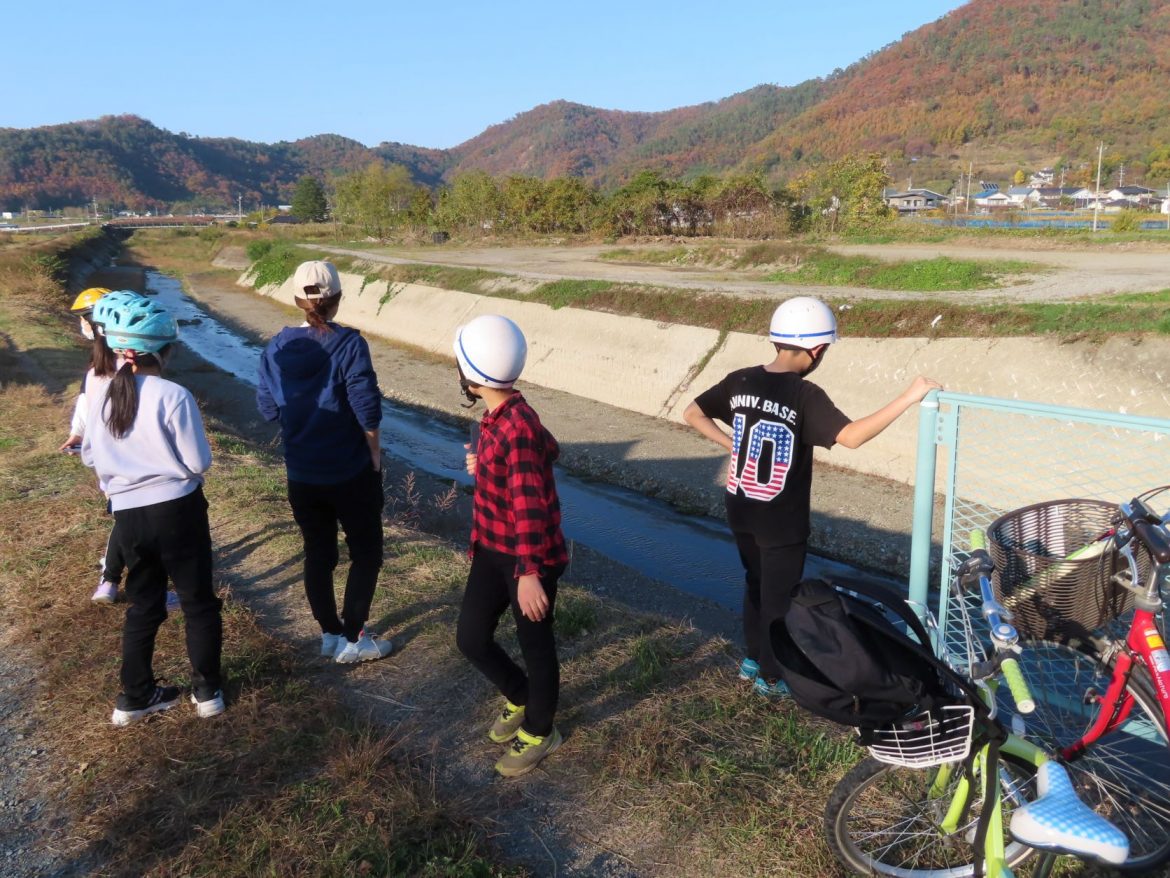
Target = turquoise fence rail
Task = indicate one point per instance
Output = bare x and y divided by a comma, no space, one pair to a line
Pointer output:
981,457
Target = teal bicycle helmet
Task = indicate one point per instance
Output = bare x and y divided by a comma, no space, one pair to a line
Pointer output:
112,301
133,322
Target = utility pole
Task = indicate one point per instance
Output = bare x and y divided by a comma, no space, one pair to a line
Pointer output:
970,168
1097,200
1121,176
240,207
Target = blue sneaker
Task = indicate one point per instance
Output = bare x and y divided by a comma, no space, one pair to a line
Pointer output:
749,669
779,689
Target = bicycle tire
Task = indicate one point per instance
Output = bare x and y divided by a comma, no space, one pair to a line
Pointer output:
1124,776
880,820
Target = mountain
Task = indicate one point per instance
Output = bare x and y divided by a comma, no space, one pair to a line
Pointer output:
999,84
610,146
129,161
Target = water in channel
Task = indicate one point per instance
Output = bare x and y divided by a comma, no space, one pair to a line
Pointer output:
693,554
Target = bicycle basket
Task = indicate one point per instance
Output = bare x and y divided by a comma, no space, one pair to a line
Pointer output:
931,738
1054,566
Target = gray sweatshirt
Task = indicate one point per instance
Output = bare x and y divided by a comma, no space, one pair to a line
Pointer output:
164,455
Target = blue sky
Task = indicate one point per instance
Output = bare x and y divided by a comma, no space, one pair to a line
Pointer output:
427,73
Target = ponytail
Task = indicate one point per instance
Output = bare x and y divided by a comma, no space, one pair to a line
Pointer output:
122,398
103,360
318,312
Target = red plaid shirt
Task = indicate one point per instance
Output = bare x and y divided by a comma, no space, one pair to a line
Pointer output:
516,510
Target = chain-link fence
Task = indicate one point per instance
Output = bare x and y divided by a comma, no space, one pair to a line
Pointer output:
990,458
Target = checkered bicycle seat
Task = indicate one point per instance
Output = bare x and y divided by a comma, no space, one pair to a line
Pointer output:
1059,821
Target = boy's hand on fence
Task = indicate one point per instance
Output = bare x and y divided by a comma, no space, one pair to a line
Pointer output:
920,387
531,597
469,459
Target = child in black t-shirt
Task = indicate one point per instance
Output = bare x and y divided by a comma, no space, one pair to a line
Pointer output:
777,417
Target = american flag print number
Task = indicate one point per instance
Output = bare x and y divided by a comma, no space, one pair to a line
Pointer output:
744,475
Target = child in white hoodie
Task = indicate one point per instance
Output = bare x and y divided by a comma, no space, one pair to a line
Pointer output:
145,440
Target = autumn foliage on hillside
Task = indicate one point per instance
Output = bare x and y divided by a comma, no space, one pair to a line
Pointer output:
1000,82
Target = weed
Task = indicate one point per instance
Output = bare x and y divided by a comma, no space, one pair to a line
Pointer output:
575,616
277,263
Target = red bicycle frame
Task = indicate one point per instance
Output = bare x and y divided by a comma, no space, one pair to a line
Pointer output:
1144,644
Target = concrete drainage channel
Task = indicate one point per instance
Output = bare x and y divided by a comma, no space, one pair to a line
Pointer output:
693,554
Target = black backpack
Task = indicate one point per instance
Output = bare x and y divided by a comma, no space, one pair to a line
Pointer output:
844,659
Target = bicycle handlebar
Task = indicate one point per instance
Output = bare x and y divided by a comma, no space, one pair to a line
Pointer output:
1018,685
1004,636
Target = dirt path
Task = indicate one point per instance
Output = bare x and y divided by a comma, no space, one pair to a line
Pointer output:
1070,274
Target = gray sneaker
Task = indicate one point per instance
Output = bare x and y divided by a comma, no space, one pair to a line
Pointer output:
507,724
366,649
526,752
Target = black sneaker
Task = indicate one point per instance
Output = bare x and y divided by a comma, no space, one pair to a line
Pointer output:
127,711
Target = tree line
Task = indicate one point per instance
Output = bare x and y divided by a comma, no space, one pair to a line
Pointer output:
382,200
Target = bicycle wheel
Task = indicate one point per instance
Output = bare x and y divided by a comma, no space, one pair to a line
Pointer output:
1124,776
882,820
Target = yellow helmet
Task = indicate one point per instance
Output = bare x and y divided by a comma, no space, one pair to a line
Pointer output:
86,299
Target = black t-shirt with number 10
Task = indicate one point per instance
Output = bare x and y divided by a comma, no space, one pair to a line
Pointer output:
776,418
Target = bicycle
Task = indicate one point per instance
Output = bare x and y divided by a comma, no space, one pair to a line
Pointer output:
1103,704
957,793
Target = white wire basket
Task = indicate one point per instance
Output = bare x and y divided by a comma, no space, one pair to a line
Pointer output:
931,738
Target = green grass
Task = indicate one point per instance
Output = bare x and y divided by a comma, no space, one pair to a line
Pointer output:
274,261
560,293
822,268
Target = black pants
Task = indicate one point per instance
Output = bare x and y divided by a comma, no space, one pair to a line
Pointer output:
770,574
112,565
169,539
317,509
491,588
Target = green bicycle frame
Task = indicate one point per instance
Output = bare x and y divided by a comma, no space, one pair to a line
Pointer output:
994,849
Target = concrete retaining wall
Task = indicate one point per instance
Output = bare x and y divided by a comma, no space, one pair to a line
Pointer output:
628,362
649,367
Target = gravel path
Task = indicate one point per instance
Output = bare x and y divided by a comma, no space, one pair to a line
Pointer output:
1068,274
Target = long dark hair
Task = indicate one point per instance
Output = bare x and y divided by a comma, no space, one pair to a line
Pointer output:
318,312
121,406
103,360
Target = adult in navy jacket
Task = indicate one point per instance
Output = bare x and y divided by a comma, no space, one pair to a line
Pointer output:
317,379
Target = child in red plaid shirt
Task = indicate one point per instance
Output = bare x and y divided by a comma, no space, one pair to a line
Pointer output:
517,549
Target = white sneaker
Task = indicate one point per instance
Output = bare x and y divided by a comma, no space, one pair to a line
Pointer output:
366,649
106,593
213,706
331,643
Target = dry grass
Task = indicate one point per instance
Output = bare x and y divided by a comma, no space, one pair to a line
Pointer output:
667,765
286,783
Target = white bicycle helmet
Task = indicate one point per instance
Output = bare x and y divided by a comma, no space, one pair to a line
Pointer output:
491,351
804,322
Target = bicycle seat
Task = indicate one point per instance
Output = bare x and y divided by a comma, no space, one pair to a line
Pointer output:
1059,821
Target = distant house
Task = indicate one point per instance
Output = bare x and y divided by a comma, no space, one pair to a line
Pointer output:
1042,178
991,198
284,219
1133,194
1023,195
1051,196
914,200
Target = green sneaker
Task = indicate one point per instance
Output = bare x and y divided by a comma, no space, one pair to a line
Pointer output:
526,752
507,724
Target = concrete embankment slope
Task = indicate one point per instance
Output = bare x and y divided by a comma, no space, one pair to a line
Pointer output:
656,369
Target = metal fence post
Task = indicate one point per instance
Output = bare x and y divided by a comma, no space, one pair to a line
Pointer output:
924,474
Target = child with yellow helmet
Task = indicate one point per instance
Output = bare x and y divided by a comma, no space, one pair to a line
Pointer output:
104,364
